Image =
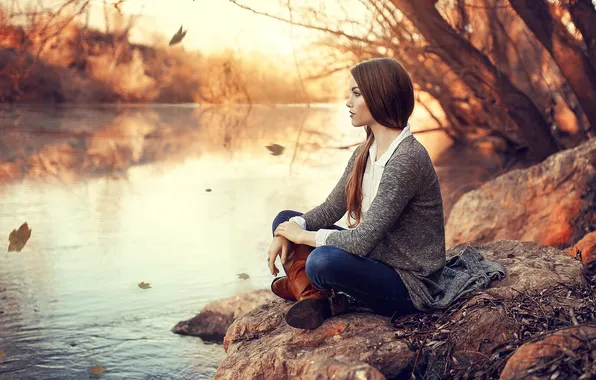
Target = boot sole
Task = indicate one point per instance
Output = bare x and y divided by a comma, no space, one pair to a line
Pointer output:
308,314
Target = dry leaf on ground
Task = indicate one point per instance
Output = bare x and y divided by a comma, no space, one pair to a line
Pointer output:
18,238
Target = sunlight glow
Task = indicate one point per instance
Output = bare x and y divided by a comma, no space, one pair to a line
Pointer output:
214,25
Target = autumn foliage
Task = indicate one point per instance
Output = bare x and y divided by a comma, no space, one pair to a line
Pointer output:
55,58
513,73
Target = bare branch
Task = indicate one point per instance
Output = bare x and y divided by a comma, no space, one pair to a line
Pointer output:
297,23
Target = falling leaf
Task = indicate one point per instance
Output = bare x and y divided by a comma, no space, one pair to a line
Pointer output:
243,276
18,238
144,285
2,356
275,149
208,190
178,36
97,370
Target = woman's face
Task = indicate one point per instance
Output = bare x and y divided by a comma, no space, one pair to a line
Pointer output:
358,109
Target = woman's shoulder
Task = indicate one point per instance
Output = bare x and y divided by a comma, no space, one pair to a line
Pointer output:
411,148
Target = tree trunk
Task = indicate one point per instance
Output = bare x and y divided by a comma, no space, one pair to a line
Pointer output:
583,15
572,61
487,82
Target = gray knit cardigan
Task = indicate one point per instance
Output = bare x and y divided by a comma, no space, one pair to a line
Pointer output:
404,228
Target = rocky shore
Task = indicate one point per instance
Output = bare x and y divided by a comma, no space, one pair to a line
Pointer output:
539,322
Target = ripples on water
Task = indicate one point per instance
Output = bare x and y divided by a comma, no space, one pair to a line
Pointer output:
116,196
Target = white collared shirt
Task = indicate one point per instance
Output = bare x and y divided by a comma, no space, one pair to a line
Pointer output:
370,182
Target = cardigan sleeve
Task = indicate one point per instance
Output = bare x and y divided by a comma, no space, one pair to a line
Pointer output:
400,182
335,206
299,221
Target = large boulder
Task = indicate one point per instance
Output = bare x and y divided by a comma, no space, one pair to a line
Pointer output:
551,356
552,203
529,266
213,321
260,344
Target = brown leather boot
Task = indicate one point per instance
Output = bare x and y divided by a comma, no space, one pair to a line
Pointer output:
298,282
311,313
281,288
296,285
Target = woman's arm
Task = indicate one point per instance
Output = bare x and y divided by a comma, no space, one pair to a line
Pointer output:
308,238
400,182
335,206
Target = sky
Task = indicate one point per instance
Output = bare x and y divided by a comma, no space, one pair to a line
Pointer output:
214,25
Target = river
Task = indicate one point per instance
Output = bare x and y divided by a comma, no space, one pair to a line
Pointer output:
181,197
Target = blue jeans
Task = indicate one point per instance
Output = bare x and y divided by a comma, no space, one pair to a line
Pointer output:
374,283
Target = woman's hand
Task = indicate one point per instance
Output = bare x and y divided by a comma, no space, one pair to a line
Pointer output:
279,244
291,231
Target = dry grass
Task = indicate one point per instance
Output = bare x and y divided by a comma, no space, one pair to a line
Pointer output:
533,315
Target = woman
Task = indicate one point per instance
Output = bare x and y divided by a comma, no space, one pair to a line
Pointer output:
393,253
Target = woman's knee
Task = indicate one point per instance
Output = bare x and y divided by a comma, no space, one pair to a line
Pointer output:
283,216
318,262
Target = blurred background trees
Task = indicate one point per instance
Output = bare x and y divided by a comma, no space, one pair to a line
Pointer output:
49,53
519,73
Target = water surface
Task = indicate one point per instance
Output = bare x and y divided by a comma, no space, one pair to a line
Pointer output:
118,195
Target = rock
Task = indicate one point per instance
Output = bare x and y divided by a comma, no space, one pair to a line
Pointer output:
215,318
341,368
529,265
551,203
587,247
566,344
261,345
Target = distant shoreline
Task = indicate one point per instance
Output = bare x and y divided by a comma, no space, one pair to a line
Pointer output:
188,105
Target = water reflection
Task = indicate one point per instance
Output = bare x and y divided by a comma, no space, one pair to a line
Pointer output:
117,195
72,142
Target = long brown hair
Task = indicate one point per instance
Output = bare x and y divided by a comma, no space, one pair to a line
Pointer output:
389,95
